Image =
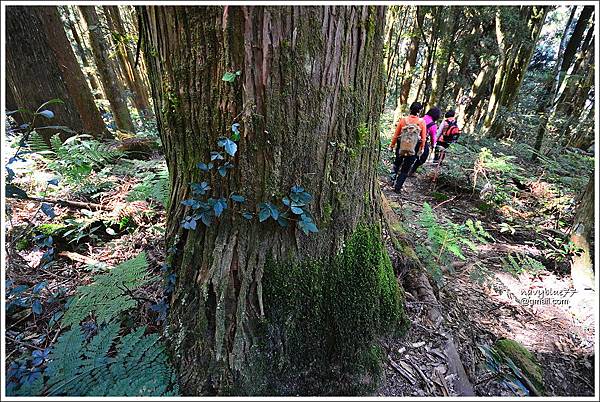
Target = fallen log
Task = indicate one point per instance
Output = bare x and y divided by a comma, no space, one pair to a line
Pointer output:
66,203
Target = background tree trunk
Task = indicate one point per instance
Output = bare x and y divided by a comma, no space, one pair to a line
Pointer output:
544,109
443,54
41,65
305,119
132,76
112,85
511,71
80,48
575,40
411,61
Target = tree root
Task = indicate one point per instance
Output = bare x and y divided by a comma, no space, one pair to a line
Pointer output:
417,283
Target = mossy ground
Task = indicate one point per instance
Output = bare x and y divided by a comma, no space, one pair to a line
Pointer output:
524,359
324,320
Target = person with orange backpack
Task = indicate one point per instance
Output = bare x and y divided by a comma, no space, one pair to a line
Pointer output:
408,142
430,119
448,134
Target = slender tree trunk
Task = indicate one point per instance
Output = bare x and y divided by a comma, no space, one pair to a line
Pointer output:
432,45
572,81
41,65
310,79
511,72
443,54
411,59
575,41
132,76
544,109
110,81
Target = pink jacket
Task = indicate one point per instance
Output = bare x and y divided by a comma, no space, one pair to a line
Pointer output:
432,130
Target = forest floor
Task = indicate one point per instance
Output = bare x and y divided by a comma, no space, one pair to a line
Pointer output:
483,301
484,297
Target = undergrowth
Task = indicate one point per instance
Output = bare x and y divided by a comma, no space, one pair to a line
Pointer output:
99,355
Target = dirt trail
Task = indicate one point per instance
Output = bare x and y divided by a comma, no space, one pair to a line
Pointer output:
540,311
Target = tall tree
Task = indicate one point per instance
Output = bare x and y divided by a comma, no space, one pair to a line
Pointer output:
516,43
448,28
571,82
80,47
126,58
545,103
41,65
113,87
307,97
575,41
411,59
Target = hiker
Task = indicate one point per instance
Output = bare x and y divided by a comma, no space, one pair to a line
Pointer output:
408,142
430,119
448,134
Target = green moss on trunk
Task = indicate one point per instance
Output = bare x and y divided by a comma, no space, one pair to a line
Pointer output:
524,359
324,319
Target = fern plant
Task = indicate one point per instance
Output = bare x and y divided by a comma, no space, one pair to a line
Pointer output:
442,246
107,363
76,157
110,294
154,185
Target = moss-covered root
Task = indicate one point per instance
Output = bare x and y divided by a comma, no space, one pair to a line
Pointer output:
524,360
324,318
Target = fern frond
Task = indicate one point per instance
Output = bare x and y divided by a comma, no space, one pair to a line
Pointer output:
36,144
108,296
139,368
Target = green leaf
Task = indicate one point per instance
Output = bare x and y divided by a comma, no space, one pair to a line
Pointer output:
229,77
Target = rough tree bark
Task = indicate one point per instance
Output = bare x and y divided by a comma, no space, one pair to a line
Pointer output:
516,51
80,48
308,98
41,65
113,87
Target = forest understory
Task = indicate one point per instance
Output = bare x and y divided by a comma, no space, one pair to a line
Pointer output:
114,216
199,201
478,311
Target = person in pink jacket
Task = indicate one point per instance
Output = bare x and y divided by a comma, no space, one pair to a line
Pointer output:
430,119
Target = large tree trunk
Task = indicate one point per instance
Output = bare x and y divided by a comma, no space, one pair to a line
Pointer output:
258,308
126,58
41,65
113,87
81,48
513,65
